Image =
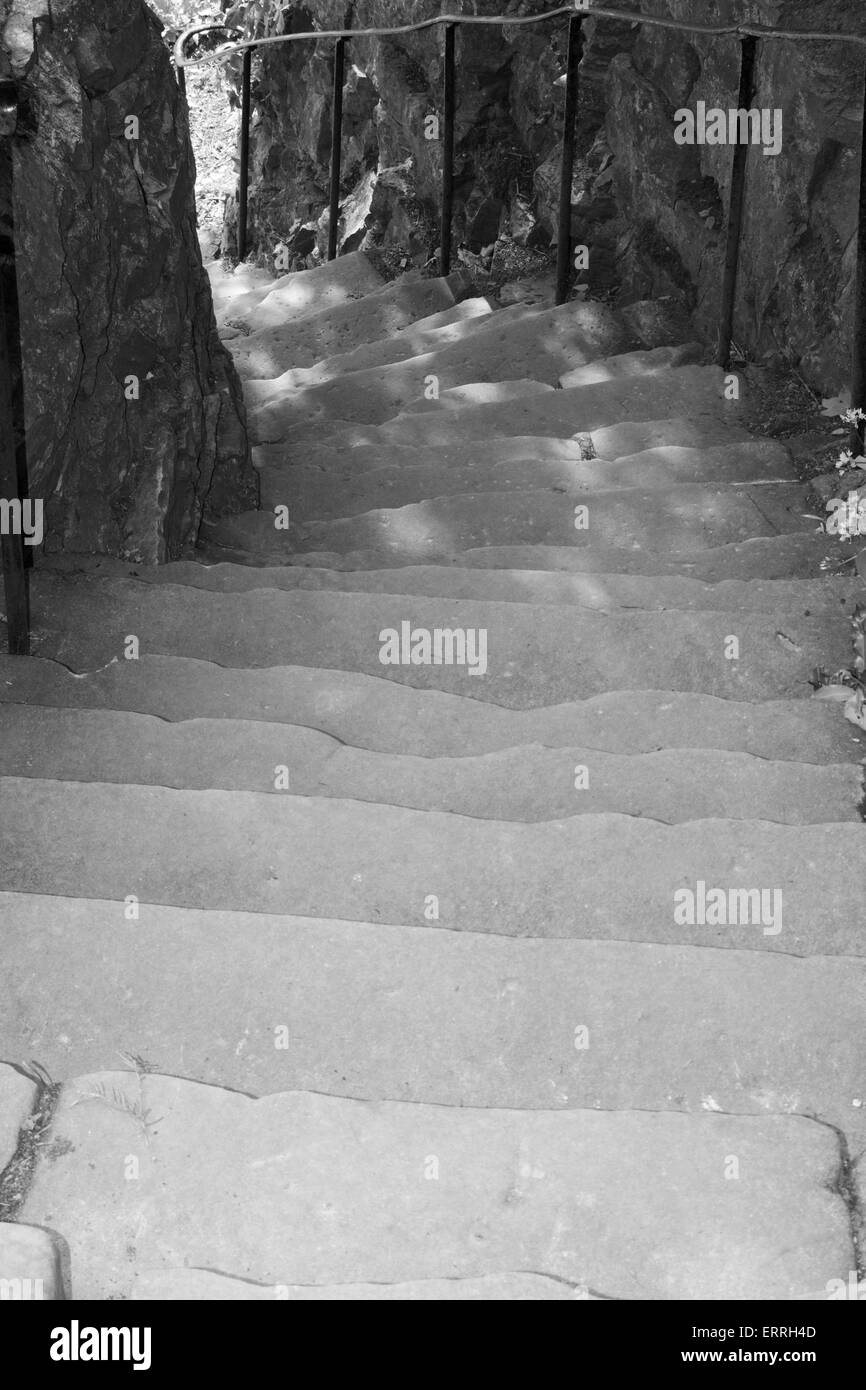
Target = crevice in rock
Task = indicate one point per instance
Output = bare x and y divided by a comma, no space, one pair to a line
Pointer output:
17,1176
845,1186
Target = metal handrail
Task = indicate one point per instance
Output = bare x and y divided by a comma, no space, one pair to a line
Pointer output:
589,11
577,11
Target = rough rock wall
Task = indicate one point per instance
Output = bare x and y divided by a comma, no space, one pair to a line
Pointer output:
652,211
507,139
111,286
794,299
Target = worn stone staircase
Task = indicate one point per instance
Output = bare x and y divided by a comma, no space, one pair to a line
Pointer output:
368,981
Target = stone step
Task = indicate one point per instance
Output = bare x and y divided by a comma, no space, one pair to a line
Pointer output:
641,363
230,284
693,431
610,443
541,345
480,393
339,488
367,712
309,1189
529,783
692,391
532,654
603,592
311,856
424,335
662,521
796,556
278,342
405,1013
299,293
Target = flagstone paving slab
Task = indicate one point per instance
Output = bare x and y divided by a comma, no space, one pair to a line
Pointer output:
305,1189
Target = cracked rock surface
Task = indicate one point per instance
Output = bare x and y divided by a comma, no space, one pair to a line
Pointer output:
111,288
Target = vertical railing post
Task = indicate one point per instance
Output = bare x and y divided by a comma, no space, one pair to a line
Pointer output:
858,363
336,145
733,233
243,190
449,108
13,464
566,173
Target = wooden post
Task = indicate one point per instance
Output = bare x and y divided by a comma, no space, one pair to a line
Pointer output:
449,108
336,145
566,172
243,190
748,53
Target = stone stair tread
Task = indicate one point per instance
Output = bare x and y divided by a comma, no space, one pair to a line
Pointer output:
368,712
638,1204
687,431
462,320
300,293
643,362
796,555
405,1013
339,489
603,592
689,390
612,443
530,660
277,343
660,520
311,856
502,347
360,400
245,285
528,783
479,393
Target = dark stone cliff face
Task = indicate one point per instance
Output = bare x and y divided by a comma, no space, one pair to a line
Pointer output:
651,211
797,266
111,286
507,138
